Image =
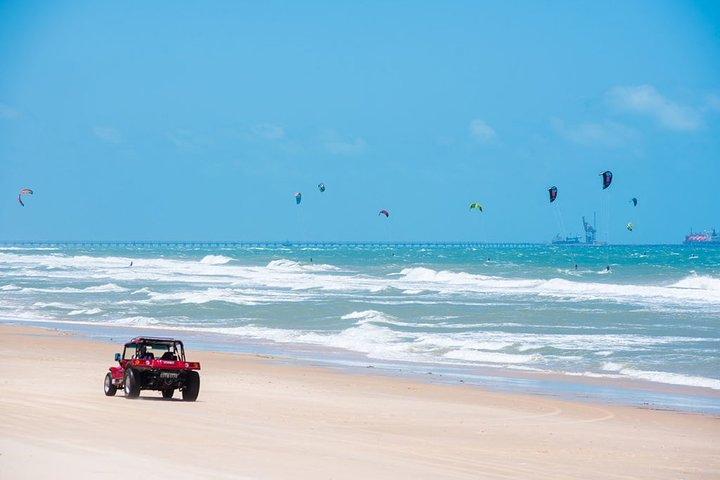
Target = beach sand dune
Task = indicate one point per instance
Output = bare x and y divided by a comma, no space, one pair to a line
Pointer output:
258,418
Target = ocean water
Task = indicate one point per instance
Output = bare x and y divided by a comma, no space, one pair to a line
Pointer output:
653,316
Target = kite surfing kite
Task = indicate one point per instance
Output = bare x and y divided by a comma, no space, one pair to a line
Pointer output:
476,206
298,197
321,187
553,193
384,212
607,178
634,201
24,191
630,227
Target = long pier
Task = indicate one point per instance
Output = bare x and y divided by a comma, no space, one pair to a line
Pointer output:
259,244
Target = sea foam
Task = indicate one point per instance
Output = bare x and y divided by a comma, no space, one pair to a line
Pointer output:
215,260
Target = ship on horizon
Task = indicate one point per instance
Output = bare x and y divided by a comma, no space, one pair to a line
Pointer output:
708,237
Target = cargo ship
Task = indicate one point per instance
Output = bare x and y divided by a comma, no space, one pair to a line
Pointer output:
709,237
558,240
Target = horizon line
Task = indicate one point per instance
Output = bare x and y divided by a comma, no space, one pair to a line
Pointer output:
291,243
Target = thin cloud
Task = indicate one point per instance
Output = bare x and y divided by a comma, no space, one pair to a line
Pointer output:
7,112
334,144
646,101
481,131
188,141
593,134
267,131
108,134
712,103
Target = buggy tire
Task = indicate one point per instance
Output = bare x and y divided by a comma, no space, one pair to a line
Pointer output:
109,386
132,383
168,393
192,387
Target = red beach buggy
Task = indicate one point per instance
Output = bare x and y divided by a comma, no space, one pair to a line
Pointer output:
154,364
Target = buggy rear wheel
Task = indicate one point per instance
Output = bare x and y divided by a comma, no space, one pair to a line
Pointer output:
109,386
132,383
192,387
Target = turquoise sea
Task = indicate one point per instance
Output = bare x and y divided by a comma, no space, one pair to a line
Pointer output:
494,316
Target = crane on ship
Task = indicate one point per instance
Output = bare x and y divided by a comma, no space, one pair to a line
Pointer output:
590,231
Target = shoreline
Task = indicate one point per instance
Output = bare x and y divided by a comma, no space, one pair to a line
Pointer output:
258,418
605,390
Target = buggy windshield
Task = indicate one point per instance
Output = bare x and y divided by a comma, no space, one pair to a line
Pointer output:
162,350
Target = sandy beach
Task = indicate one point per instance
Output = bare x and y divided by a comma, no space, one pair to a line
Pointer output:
259,418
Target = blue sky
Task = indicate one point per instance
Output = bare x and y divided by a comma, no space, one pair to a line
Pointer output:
200,120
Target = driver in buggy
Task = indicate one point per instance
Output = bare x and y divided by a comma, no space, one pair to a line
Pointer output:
143,353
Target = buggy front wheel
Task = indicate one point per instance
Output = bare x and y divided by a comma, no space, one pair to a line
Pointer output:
109,386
